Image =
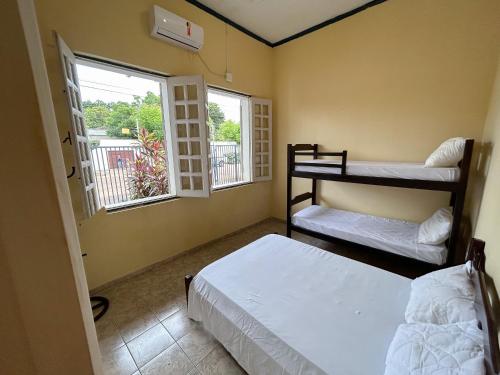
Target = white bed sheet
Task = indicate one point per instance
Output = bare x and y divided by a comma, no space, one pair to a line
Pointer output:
386,169
283,307
395,236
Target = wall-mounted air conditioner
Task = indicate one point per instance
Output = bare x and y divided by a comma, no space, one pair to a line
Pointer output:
176,30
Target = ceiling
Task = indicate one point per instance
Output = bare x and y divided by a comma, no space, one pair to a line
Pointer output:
277,20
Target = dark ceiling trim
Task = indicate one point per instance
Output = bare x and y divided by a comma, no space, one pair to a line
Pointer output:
292,37
328,22
229,22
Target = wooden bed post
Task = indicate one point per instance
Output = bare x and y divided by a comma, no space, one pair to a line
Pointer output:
289,167
314,181
458,199
187,282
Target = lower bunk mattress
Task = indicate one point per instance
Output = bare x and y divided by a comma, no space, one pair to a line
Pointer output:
280,306
395,236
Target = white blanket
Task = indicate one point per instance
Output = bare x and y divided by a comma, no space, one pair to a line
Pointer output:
395,236
283,307
411,171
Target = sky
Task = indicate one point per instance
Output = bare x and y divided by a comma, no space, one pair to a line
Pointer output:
109,86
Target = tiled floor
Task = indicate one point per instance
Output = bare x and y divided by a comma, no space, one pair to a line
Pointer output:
146,330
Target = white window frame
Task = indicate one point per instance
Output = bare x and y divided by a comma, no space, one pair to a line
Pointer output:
246,139
78,131
258,142
190,173
136,72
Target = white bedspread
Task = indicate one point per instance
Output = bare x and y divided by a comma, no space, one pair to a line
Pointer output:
283,307
386,169
395,236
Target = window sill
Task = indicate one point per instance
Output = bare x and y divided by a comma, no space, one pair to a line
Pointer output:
229,186
149,201
138,203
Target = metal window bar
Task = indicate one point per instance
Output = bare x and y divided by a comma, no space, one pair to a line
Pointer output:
113,166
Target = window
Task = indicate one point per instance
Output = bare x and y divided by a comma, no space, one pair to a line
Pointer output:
228,115
124,123
139,137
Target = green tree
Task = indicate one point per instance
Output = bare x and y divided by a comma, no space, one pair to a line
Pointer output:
149,117
143,113
215,117
123,116
229,131
96,114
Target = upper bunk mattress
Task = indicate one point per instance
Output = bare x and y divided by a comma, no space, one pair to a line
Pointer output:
396,236
410,171
280,306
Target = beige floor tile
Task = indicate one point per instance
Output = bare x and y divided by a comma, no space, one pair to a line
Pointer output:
131,323
179,325
167,305
219,361
108,336
172,361
197,344
149,344
118,362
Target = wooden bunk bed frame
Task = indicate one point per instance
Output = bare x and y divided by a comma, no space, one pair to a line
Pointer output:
456,188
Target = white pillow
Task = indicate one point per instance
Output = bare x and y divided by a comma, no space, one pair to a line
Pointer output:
448,154
419,349
436,229
442,297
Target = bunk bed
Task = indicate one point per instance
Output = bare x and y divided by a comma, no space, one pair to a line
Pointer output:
397,238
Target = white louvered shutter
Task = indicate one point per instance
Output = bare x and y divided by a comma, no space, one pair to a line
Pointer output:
262,124
187,105
83,155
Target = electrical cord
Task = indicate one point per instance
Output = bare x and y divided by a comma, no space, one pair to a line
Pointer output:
223,75
208,68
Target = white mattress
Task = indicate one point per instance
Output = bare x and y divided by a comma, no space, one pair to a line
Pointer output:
395,236
412,171
283,307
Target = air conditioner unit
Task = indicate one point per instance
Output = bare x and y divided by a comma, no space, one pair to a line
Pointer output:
176,30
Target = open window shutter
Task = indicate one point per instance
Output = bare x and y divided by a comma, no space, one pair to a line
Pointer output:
187,105
80,141
261,118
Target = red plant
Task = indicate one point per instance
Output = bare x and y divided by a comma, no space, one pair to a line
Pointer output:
149,169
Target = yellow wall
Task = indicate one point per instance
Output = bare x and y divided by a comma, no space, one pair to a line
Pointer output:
42,329
488,222
390,83
122,242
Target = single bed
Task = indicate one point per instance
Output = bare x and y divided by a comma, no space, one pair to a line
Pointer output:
395,236
280,306
283,307
410,171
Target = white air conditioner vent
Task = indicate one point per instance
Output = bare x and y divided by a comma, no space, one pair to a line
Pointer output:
175,30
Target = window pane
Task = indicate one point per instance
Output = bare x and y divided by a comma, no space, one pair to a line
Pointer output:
123,114
182,130
193,111
229,138
180,112
192,92
194,130
179,92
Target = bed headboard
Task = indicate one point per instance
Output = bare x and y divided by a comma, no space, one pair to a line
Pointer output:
475,253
